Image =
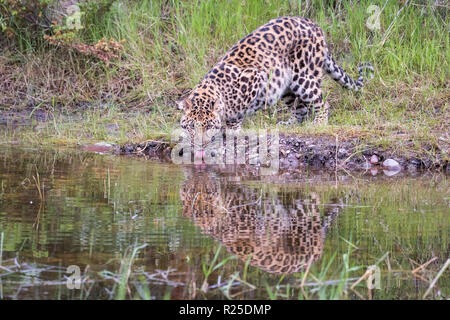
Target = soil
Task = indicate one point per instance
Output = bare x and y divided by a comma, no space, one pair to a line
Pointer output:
317,152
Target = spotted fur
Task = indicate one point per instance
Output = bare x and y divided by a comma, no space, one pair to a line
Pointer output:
284,59
278,233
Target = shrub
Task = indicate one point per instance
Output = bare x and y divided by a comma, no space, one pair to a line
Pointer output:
32,24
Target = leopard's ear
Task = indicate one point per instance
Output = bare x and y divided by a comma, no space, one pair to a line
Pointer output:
218,107
183,104
180,104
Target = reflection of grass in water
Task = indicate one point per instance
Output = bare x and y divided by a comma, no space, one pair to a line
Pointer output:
121,278
153,194
77,198
1,263
332,279
1,247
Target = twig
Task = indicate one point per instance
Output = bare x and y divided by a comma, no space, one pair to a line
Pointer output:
358,294
326,283
364,276
424,265
420,277
307,270
437,278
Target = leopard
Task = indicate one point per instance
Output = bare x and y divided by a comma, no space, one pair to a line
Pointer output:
284,59
277,232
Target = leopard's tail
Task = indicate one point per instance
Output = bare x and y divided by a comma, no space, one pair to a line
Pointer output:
338,74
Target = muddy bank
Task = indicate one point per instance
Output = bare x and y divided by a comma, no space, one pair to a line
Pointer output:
321,152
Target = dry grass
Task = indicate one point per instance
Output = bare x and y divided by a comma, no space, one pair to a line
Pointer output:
170,45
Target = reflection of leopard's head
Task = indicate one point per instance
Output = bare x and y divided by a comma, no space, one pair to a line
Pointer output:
278,232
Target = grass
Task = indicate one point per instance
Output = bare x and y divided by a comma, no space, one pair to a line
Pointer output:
104,208
171,45
332,279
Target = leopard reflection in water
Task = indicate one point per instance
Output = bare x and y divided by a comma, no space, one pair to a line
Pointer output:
281,231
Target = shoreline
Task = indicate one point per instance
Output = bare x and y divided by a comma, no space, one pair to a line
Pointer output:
318,152
316,148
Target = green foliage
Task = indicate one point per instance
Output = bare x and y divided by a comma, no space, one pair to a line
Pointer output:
31,24
170,45
23,21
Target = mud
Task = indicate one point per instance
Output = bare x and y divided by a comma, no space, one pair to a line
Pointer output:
318,152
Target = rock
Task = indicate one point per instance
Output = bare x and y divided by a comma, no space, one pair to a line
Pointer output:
373,171
366,166
391,173
391,164
101,147
416,162
391,167
128,148
330,164
342,153
374,159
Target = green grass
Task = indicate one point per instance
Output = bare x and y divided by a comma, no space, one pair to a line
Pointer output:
91,201
171,45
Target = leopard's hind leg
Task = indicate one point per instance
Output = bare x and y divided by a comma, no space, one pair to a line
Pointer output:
308,89
298,109
301,109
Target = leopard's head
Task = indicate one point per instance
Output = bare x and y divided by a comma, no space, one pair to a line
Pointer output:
202,117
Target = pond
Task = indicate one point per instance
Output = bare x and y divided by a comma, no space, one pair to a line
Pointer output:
78,225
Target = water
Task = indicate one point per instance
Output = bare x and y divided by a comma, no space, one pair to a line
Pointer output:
140,229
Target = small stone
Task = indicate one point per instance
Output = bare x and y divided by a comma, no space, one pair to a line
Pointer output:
366,166
374,159
103,144
373,171
101,147
391,173
342,153
391,167
391,164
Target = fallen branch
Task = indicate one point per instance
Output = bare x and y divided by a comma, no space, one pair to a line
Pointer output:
436,279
